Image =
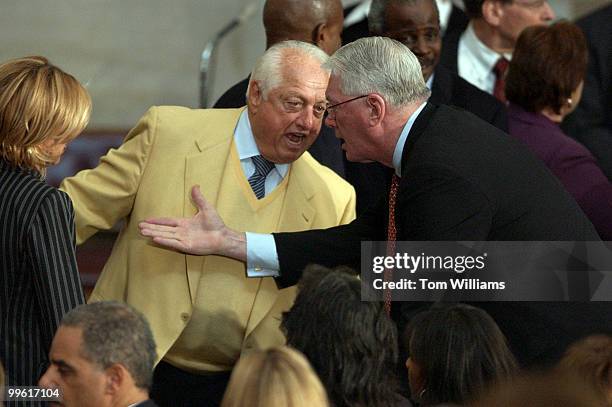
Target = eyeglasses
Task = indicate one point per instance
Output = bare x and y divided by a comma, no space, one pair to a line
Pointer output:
331,109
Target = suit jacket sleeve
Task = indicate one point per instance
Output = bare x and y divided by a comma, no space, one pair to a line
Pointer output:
340,245
104,195
50,248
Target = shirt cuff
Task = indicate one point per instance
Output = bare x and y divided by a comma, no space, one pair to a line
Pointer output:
262,259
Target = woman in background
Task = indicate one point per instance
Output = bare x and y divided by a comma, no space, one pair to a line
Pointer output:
544,84
279,377
455,352
42,108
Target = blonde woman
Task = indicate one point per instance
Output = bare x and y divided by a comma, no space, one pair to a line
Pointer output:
279,377
42,108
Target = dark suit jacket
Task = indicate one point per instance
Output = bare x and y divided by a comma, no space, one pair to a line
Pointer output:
571,162
326,149
591,123
146,403
448,88
450,48
462,179
39,281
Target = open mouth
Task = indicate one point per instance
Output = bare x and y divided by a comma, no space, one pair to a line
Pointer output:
295,139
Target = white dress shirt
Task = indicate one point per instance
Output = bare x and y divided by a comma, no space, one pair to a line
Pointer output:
247,148
475,61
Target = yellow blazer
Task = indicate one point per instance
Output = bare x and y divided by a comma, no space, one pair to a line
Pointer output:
151,175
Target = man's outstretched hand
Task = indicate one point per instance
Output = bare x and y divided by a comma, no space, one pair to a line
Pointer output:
204,233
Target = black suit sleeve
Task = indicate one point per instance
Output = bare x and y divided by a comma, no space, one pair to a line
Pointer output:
51,248
340,245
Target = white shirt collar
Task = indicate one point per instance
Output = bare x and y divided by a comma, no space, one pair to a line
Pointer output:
445,8
429,82
475,61
358,13
401,141
246,145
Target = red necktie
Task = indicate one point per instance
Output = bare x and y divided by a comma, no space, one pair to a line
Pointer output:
500,68
391,237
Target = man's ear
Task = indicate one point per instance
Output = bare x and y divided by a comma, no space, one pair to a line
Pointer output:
493,11
115,375
254,96
319,35
377,109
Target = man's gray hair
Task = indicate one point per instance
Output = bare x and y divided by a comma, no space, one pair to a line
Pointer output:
268,71
379,65
114,332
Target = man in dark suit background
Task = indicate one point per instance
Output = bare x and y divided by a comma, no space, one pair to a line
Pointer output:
591,122
415,23
452,21
461,180
317,22
481,53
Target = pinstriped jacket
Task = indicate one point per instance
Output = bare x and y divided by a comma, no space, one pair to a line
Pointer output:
39,280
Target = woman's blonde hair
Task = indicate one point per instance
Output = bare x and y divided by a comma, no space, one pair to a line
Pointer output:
38,102
280,377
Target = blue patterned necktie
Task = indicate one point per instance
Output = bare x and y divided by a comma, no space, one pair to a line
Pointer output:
258,179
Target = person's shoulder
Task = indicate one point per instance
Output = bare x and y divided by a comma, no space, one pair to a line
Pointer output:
598,19
234,96
183,112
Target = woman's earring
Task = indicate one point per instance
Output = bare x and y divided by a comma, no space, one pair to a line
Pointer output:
570,102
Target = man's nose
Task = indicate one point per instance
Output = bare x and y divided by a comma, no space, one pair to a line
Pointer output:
548,14
46,380
420,47
306,119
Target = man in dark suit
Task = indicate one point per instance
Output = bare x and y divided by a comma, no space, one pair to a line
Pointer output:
452,22
415,23
461,180
102,355
317,22
591,122
480,54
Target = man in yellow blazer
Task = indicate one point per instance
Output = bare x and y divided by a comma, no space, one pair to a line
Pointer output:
252,165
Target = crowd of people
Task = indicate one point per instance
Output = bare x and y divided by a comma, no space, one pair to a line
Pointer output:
232,281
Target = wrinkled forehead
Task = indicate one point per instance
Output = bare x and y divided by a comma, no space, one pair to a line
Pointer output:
306,75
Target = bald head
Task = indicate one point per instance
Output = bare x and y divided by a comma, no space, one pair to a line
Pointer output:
317,22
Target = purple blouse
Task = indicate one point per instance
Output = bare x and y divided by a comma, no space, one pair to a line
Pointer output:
570,162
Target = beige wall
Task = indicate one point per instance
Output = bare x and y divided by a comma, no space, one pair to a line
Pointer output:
136,53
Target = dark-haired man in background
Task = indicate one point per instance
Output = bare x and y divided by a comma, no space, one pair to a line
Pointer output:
481,54
102,355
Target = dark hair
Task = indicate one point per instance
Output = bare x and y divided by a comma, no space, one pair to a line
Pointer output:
350,343
114,332
473,8
547,65
460,350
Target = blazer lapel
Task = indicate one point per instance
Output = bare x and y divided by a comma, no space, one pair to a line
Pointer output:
442,87
418,128
205,168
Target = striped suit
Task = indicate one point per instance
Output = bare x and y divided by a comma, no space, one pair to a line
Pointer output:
39,280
